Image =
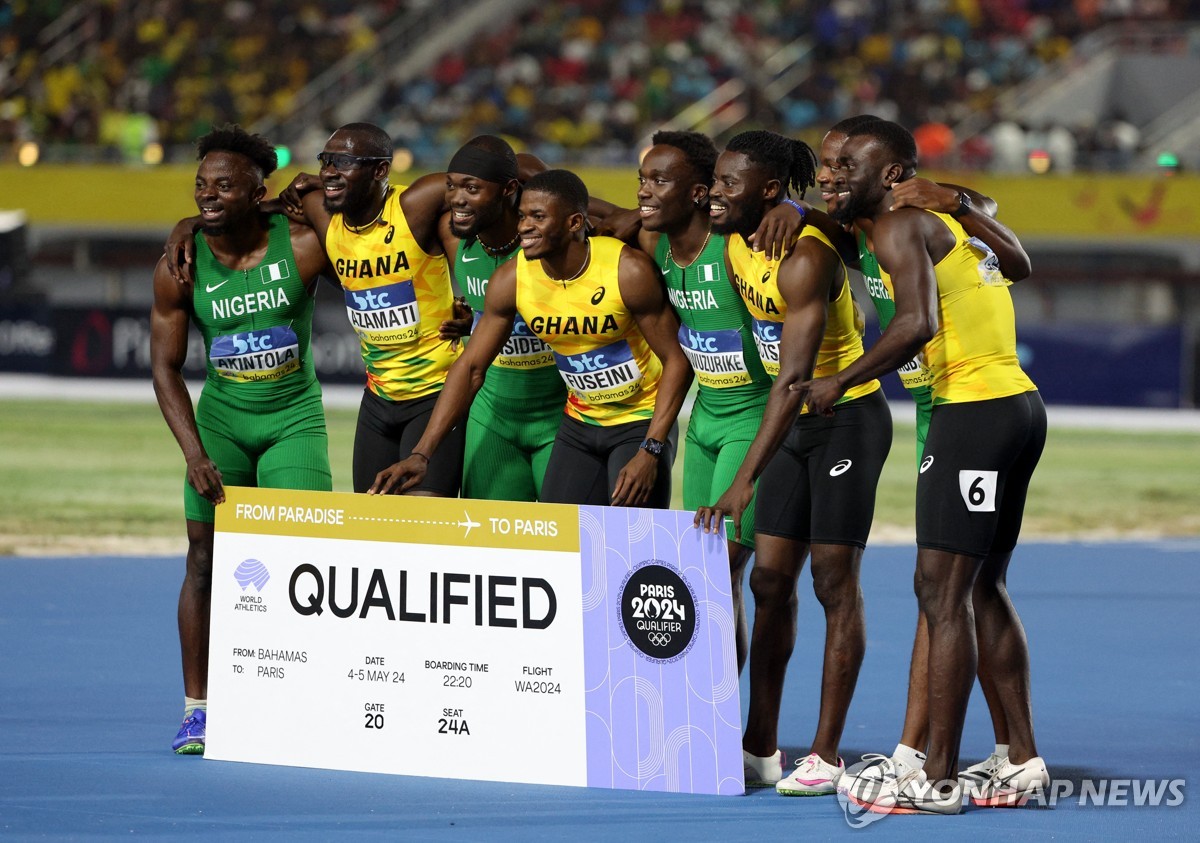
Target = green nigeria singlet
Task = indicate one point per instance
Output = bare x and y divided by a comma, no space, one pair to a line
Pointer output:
259,416
732,387
517,411
256,323
715,332
915,375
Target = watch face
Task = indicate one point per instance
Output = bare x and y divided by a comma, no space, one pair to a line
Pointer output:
653,447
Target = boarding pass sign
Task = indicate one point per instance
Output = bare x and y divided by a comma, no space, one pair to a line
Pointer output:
588,646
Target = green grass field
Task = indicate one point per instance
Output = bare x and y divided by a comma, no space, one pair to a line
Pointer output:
84,477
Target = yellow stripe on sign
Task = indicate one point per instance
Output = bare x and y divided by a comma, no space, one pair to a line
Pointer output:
400,518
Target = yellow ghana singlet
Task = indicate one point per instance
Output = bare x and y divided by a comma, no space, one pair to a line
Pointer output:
756,278
973,355
612,375
396,297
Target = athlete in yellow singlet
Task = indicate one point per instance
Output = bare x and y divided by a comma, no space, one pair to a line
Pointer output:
603,310
383,242
816,476
986,435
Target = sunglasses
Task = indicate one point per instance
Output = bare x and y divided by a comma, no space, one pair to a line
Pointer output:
342,162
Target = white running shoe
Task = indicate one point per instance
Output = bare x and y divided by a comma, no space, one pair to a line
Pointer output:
1011,785
978,774
813,776
762,772
870,773
911,793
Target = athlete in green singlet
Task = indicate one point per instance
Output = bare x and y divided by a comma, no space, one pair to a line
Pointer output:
516,413
715,333
259,420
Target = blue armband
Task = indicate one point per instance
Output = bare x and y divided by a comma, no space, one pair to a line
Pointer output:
799,208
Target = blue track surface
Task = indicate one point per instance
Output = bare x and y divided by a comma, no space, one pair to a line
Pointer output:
90,698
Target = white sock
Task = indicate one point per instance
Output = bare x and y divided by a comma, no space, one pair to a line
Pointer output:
190,705
1001,750
913,758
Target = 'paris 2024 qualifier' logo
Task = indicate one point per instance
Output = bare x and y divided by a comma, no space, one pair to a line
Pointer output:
658,612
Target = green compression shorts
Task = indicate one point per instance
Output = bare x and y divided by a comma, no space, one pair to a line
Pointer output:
716,444
281,445
506,451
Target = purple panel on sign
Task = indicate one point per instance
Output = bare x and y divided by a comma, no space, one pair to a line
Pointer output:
663,711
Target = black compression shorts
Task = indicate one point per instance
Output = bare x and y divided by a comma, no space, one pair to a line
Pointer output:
587,459
389,430
975,472
820,486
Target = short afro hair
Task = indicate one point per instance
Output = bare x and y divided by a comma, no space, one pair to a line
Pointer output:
700,151
562,184
233,138
893,137
849,124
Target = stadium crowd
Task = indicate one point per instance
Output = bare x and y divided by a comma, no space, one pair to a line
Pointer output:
566,77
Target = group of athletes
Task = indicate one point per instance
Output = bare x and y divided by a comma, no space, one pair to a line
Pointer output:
561,377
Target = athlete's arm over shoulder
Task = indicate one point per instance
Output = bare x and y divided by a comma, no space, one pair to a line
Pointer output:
978,221
423,203
907,243
310,255
842,240
169,318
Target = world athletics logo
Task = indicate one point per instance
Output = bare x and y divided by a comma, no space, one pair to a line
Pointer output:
658,612
251,572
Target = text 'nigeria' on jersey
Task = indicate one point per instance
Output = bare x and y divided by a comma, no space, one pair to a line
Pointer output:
876,288
692,299
260,301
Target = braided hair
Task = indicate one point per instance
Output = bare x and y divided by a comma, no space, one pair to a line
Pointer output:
792,162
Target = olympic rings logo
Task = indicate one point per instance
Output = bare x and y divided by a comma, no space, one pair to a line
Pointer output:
659,639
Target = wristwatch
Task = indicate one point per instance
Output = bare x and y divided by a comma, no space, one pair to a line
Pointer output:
653,447
964,206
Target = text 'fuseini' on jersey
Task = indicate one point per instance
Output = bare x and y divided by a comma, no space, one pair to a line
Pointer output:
256,322
611,374
715,332
524,370
973,355
397,297
757,279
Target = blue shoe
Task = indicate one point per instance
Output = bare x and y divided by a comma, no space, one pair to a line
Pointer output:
190,740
